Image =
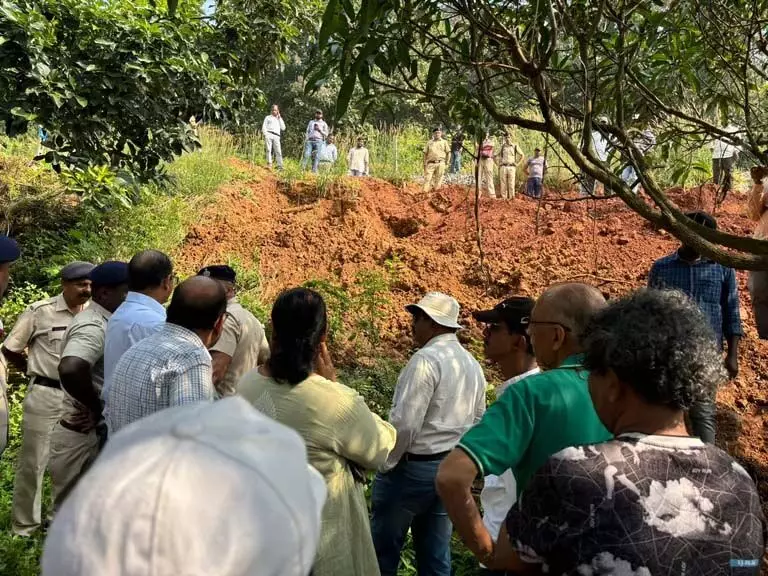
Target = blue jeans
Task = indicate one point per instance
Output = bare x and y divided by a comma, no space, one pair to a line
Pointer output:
455,163
403,498
534,187
310,147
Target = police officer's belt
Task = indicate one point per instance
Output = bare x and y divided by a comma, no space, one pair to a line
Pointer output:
435,161
408,457
47,382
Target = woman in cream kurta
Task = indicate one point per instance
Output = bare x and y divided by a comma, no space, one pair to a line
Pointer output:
758,280
339,429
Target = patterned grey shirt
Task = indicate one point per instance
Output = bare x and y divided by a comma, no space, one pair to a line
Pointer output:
640,505
168,368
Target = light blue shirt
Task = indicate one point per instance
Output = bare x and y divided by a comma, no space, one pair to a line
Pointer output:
136,318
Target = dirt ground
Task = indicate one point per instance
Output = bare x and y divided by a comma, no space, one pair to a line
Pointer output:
432,242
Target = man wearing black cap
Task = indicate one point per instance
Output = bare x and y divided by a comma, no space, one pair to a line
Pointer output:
75,439
9,253
242,345
436,154
39,331
508,346
713,287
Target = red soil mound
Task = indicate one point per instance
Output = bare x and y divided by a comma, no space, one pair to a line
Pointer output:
434,244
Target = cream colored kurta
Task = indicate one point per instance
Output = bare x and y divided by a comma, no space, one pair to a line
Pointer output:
338,428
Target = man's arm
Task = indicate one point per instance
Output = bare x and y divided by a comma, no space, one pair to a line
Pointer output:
264,125
77,380
323,129
220,363
413,393
366,161
731,322
19,339
224,349
191,385
454,482
282,124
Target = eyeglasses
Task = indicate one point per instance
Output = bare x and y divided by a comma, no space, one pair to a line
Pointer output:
528,323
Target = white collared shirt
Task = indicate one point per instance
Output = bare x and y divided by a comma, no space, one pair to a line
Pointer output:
440,394
500,492
136,318
273,126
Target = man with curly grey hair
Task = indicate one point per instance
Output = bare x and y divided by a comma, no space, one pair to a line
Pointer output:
653,500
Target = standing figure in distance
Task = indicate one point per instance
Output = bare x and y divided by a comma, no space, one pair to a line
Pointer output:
485,172
9,253
436,154
457,145
535,168
317,132
273,128
509,157
358,159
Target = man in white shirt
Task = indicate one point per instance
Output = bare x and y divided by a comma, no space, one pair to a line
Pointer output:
328,154
150,283
273,128
535,169
600,146
314,139
358,159
173,366
724,156
508,346
440,394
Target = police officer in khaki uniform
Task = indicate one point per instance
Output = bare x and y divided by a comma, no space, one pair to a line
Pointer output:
509,157
436,154
80,433
9,253
243,344
39,331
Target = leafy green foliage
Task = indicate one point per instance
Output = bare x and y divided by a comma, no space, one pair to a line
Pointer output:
114,82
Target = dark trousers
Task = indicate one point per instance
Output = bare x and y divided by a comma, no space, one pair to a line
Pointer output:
403,498
534,187
722,169
703,423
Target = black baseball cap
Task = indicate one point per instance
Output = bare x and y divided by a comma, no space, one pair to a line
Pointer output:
219,272
515,312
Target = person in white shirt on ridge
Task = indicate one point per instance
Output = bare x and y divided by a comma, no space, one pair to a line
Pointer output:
439,395
273,128
329,154
358,159
724,157
506,344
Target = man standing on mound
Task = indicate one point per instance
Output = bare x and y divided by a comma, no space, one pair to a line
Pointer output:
436,154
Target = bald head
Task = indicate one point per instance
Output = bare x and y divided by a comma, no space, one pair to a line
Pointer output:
148,269
197,303
572,304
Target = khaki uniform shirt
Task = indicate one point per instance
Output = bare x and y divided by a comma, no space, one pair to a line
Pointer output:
244,341
437,151
40,330
84,339
509,155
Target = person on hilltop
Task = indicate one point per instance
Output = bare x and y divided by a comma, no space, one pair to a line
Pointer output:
535,169
439,395
486,167
273,128
150,283
33,347
436,154
507,345
652,500
204,489
457,145
79,434
172,367
317,132
243,344
9,253
758,279
299,388
533,419
329,154
508,158
724,157
358,159
713,287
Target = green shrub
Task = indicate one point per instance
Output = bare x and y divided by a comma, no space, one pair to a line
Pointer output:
19,297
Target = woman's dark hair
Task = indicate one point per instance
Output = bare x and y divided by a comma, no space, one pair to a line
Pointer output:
659,343
299,322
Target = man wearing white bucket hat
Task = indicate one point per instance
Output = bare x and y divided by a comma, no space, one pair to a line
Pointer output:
440,394
197,489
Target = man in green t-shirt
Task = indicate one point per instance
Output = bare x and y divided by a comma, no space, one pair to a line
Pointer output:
539,416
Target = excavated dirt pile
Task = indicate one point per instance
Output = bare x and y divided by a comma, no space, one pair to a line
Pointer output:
431,244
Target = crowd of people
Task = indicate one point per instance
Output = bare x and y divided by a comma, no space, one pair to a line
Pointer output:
181,441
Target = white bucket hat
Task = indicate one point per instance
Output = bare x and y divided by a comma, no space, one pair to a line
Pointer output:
443,309
203,489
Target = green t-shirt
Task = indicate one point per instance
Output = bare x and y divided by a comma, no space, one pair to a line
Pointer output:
532,420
